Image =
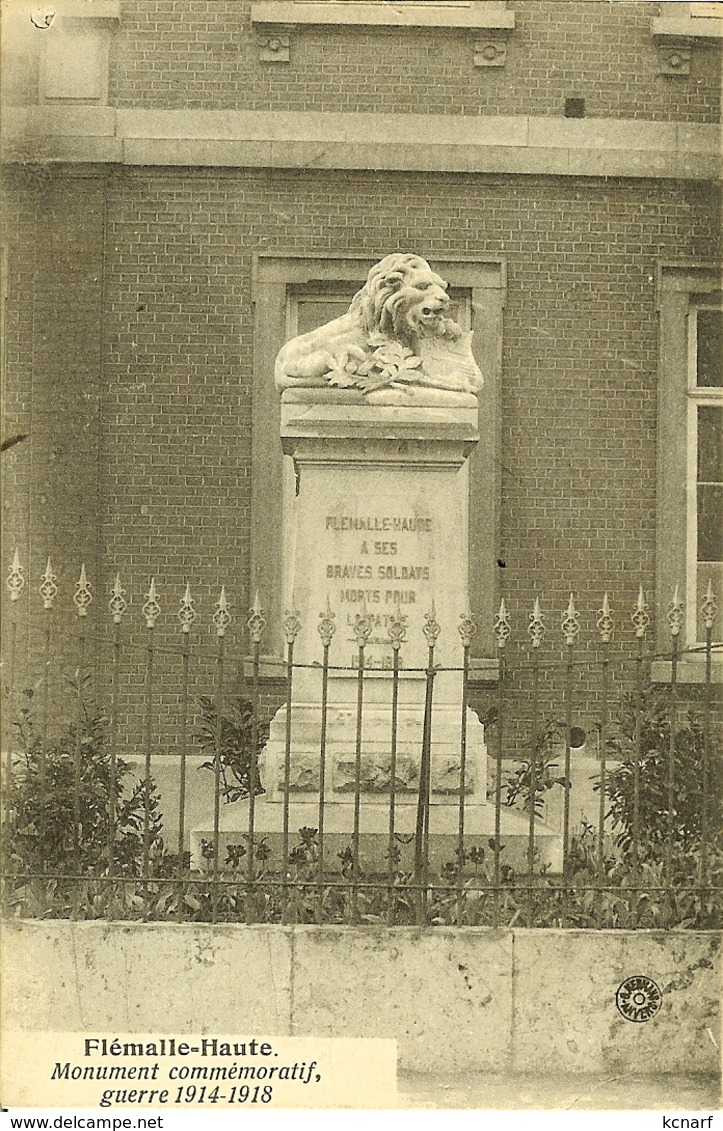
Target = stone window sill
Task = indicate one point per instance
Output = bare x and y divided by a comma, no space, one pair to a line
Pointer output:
689,671
475,14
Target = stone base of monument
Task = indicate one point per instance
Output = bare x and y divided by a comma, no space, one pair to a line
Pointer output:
374,836
374,776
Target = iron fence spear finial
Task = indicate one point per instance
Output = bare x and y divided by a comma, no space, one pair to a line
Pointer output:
117,603
187,613
151,610
326,626
397,627
48,587
536,628
15,580
82,596
362,626
256,622
571,623
431,627
222,617
501,626
709,607
292,624
604,622
675,614
639,616
467,627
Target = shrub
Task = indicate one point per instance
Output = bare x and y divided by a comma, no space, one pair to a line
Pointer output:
236,731
43,835
664,827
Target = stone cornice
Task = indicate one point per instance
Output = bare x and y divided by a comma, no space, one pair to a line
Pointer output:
409,142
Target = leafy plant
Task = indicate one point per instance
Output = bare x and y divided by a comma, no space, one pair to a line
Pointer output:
669,821
60,813
536,773
234,733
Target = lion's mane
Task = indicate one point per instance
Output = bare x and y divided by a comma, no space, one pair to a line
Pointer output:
383,302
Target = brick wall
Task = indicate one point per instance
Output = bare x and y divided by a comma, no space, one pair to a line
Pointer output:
204,54
129,358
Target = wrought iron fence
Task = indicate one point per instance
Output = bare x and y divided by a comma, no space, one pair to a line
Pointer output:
82,838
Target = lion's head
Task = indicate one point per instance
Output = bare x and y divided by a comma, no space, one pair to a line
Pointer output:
403,298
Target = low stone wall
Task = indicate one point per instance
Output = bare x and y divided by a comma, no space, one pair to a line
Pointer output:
456,1000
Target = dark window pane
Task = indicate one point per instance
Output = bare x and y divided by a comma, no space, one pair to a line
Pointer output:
710,348
710,444
314,312
710,524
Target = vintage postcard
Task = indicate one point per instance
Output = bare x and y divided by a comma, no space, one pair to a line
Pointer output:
362,557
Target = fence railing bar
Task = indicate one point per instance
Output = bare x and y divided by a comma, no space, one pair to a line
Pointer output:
421,839
185,673
326,629
378,886
392,850
498,777
117,606
536,632
151,612
362,632
571,629
186,616
15,583
287,766
217,751
640,621
708,610
605,625
502,631
462,777
256,624
77,756
675,619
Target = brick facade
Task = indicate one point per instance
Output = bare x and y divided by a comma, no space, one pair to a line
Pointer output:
202,54
129,318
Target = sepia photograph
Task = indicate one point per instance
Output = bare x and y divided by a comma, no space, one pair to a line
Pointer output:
362,558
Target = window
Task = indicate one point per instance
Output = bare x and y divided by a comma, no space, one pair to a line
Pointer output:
690,453
705,460
296,294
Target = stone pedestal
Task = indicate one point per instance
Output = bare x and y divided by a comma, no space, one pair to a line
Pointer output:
380,528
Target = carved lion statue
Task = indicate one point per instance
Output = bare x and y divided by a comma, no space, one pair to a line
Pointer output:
396,333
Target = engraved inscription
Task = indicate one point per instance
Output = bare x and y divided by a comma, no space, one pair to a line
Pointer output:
380,563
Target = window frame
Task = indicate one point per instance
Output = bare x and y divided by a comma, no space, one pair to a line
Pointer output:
683,289
276,279
698,396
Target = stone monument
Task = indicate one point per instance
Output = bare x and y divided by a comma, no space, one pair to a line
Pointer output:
379,414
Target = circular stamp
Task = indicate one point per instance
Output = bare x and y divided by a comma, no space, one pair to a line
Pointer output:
638,998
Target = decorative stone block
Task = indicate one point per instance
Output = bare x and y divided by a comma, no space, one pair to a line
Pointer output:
674,59
274,49
490,53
